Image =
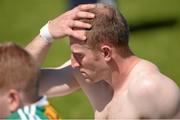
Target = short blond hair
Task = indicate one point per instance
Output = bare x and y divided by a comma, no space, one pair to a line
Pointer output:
109,26
18,70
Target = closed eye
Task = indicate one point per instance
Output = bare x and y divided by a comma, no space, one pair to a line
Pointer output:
78,56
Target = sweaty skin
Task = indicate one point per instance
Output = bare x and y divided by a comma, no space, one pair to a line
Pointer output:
116,86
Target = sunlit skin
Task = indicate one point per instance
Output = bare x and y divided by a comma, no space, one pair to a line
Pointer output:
118,84
131,81
87,61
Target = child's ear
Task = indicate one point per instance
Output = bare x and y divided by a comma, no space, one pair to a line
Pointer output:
14,100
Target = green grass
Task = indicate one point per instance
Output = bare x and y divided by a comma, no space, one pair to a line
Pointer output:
21,20
160,46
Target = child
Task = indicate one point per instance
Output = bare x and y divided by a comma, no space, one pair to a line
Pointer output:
19,97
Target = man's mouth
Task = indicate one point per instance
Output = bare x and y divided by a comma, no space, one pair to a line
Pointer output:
84,74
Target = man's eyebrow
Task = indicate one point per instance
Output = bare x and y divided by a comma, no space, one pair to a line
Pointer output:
75,51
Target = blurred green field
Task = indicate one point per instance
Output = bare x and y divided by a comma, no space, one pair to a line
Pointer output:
21,20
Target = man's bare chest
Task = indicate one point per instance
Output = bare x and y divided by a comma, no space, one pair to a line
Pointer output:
119,107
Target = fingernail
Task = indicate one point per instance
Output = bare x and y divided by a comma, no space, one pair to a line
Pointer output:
89,25
93,5
93,15
84,38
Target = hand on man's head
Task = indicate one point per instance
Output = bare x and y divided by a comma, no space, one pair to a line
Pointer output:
64,24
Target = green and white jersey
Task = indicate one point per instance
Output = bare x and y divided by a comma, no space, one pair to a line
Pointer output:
36,111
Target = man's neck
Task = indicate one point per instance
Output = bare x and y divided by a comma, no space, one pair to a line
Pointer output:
121,70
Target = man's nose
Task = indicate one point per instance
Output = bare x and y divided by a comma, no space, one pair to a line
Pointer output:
74,63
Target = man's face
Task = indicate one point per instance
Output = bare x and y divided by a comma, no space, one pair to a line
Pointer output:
4,106
90,62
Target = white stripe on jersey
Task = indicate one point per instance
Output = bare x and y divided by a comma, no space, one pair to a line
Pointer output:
33,112
27,111
22,115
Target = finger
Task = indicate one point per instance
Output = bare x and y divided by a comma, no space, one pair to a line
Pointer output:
85,7
82,14
78,34
79,24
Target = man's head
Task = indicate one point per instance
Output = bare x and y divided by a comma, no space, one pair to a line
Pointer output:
18,78
109,32
109,26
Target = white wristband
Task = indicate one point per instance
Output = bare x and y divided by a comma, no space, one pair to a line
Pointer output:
45,34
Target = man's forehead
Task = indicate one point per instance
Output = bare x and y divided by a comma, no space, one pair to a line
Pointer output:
76,48
75,45
76,41
78,45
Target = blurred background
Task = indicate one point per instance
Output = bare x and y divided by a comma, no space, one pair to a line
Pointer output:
155,35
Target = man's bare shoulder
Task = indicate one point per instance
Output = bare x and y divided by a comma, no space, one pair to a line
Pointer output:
151,91
147,74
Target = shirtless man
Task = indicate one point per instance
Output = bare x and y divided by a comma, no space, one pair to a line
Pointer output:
117,82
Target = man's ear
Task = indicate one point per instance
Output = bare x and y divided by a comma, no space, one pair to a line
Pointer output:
107,51
14,100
